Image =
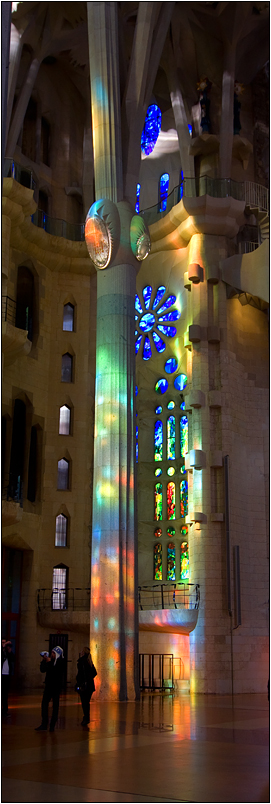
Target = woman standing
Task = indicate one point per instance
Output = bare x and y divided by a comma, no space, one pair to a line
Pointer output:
86,673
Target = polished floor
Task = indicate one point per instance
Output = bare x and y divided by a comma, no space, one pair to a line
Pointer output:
164,748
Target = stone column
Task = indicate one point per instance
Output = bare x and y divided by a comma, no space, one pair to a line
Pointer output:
226,126
5,28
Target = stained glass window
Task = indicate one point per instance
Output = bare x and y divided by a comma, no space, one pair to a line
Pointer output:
171,531
136,444
171,405
184,436
184,497
150,324
158,501
147,353
138,186
172,364
171,438
151,130
146,293
171,471
171,500
164,182
158,440
171,562
180,382
158,533
182,405
161,386
158,409
159,295
158,570
184,561
158,472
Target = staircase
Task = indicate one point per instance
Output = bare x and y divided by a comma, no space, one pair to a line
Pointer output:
257,201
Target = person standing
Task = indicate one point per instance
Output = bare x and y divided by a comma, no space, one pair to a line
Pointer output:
86,673
8,659
53,667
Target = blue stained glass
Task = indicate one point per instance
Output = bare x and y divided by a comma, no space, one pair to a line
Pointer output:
151,129
159,409
138,304
147,322
164,182
169,331
161,386
168,303
190,129
181,187
146,293
173,316
147,349
159,344
180,382
171,405
171,365
136,390
138,187
182,405
159,296
137,344
158,472
158,440
136,317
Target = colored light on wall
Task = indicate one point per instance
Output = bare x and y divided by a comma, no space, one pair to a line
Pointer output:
171,500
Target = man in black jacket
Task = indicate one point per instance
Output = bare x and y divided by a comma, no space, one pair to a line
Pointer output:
53,667
8,659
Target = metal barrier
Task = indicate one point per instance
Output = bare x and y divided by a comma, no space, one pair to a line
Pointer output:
18,315
12,489
156,671
63,598
247,246
169,596
58,227
256,196
22,175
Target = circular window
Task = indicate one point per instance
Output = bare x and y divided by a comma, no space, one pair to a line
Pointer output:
147,322
161,386
158,472
171,365
171,471
180,382
171,405
159,409
158,533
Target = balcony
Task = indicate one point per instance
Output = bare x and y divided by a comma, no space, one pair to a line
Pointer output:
169,607
64,608
16,341
12,500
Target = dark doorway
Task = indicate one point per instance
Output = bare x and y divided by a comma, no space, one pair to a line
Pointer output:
25,300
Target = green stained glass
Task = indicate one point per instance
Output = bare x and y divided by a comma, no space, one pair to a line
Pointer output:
158,501
171,562
158,570
171,531
171,438
184,497
158,472
171,471
184,436
158,440
171,500
184,562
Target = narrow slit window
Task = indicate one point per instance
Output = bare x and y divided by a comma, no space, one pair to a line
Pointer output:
66,367
59,588
171,500
184,561
158,440
158,502
184,498
63,474
184,436
158,568
64,420
171,562
61,531
171,438
164,182
68,317
136,444
138,188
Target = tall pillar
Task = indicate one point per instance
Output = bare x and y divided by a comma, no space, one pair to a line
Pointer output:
226,126
5,28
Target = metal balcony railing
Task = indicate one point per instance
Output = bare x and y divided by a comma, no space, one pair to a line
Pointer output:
169,596
18,315
256,196
58,227
63,598
22,175
12,489
247,246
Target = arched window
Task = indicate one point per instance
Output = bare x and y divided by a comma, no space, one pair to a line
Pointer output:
171,562
158,501
138,188
158,533
66,367
29,130
158,440
45,142
64,420
17,454
184,561
63,474
61,531
158,568
59,587
151,130
68,317
25,300
171,438
136,444
163,188
184,436
32,466
184,498
171,500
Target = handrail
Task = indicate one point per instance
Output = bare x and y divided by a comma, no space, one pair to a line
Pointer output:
247,246
58,227
22,175
169,596
18,315
63,598
256,196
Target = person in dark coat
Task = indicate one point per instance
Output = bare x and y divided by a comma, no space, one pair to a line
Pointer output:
53,667
86,673
8,660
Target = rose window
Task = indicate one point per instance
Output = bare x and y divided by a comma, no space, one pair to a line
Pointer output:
154,318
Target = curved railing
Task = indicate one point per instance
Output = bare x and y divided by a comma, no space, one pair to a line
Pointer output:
61,599
169,596
58,227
